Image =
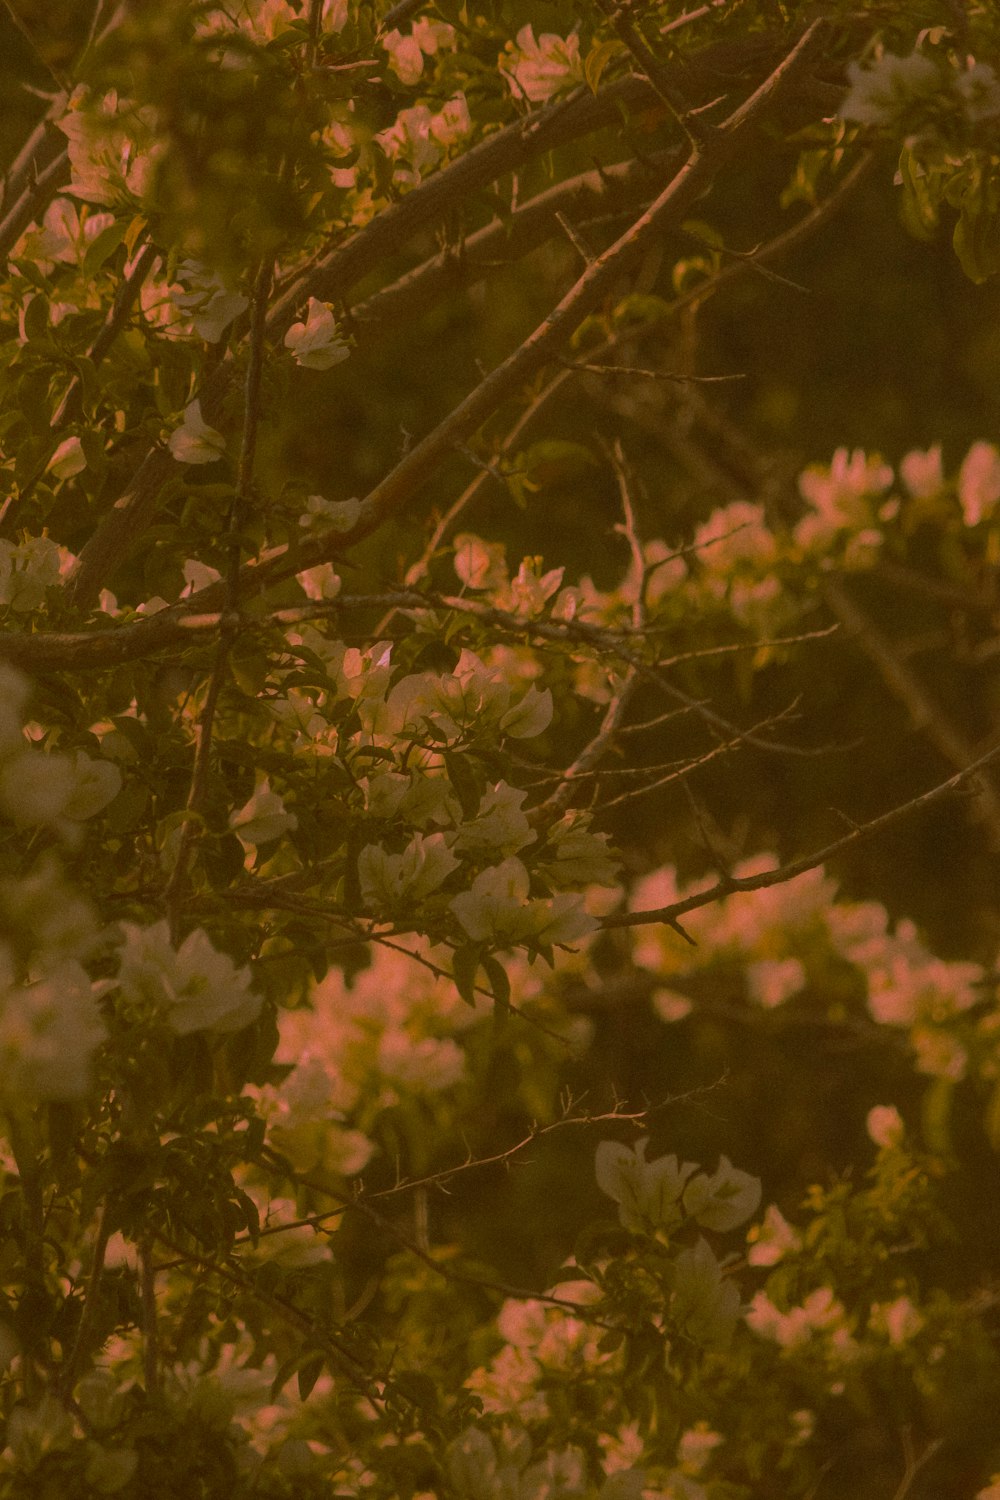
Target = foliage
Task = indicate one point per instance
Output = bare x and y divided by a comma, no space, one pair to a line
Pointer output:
416,633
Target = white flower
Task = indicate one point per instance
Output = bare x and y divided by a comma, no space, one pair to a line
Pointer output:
197,576
921,472
736,534
191,988
263,818
427,1064
28,568
898,1320
500,826
388,880
65,235
452,123
885,1126
648,1193
840,495
772,1240
696,1447
819,1313
320,582
405,57
979,482
538,70
479,564
203,296
194,442
330,515
531,715
938,1053
979,91
111,148
881,92
724,1200
35,787
68,459
406,53
316,343
498,910
528,590
49,1032
97,782
671,1005
772,980
408,140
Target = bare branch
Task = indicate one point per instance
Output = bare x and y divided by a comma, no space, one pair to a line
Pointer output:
654,70
926,714
330,279
33,200
607,189
783,873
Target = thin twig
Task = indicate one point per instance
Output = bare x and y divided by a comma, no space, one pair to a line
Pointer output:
229,624
654,70
150,1329
598,747
115,320
783,873
88,1316
504,151
925,713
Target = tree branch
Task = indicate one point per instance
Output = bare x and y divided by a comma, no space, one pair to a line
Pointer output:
731,884
925,713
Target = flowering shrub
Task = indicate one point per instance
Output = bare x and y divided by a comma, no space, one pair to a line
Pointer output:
417,1081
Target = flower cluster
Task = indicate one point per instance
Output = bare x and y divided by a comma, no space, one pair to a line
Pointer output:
190,988
782,939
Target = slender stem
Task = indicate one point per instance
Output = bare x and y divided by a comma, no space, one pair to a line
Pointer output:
229,622
34,200
315,31
114,322
91,1302
595,751
654,71
25,1147
150,1323
926,714
783,873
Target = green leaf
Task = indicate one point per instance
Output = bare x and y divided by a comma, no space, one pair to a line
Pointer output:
103,245
419,1389
976,240
551,461
921,197
264,1276
309,1373
125,812
132,233
467,780
465,963
935,1115
36,318
596,61
499,984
